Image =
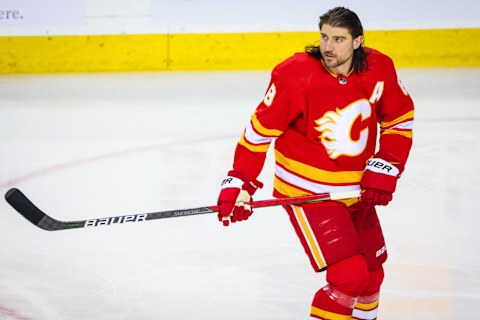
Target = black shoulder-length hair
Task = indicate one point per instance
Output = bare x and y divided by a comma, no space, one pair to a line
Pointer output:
344,18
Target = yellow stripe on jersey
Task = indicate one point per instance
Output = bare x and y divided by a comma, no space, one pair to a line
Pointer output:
328,315
407,134
322,176
253,147
309,237
288,190
264,131
406,116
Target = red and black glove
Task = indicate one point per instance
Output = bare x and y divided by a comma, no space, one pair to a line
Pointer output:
380,179
237,190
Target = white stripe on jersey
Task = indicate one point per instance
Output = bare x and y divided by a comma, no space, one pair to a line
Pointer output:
404,125
253,137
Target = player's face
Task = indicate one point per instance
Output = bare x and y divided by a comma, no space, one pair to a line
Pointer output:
337,47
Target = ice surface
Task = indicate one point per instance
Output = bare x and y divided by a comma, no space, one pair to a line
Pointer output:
96,145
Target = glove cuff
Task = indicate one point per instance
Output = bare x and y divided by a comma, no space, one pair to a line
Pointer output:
232,182
382,166
236,179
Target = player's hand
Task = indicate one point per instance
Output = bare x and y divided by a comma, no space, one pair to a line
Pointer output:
236,192
379,180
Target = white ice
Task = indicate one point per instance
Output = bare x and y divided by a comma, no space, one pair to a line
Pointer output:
98,145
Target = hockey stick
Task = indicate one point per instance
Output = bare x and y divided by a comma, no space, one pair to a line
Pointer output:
27,209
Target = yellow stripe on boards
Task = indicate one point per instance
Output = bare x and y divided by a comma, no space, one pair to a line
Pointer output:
220,51
428,48
66,54
235,51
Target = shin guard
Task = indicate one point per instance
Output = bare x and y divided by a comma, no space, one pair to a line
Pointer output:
330,303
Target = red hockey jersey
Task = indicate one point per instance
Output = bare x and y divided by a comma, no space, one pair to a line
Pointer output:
325,127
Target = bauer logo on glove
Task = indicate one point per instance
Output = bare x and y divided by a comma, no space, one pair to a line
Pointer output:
381,166
379,180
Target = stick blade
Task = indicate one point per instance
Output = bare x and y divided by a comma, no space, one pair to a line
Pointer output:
24,206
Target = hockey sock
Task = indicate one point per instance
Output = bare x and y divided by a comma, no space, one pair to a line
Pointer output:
366,307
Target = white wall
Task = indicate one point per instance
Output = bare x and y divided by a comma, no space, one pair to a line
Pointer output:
53,17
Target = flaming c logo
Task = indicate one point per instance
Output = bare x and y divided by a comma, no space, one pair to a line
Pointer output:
335,129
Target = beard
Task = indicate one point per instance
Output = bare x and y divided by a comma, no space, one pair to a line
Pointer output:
332,61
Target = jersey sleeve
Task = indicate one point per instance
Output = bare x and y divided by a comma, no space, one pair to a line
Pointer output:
269,120
395,113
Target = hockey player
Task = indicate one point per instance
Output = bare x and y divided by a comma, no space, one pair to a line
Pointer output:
324,109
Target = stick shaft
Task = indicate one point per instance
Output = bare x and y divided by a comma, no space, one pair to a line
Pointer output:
32,213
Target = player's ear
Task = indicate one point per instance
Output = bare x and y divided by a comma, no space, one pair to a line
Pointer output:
357,42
